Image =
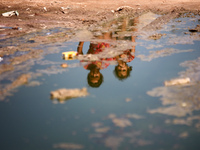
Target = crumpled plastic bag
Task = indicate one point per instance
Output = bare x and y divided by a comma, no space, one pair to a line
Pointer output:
10,13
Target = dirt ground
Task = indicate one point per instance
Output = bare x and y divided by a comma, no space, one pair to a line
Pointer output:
41,14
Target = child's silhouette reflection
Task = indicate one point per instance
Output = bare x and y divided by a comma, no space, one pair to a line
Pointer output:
122,70
94,78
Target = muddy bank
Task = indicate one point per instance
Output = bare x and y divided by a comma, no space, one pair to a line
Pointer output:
45,14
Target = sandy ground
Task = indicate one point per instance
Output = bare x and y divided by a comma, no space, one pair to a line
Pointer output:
41,14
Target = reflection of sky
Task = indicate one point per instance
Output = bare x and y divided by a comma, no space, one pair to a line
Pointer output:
183,99
30,117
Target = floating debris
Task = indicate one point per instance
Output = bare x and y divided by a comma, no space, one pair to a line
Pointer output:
69,55
1,59
64,94
10,13
178,81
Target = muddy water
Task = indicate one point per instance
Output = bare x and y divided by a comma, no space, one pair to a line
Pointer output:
142,86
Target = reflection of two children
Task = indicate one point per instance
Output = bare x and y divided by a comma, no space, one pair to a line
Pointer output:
122,70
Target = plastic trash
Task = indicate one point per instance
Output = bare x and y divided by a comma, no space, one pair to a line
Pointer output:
45,8
69,55
178,81
1,59
10,13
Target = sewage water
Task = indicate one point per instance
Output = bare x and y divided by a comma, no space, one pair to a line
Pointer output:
123,67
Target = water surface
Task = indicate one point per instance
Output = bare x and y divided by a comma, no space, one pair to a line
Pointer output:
129,108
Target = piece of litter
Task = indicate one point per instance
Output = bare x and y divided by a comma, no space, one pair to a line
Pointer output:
69,55
45,8
179,81
10,13
1,59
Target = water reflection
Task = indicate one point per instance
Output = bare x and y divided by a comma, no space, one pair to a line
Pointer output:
122,70
95,78
181,100
123,117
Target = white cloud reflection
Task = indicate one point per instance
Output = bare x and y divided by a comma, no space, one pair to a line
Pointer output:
181,100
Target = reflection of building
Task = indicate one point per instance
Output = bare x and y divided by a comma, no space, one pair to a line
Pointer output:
181,100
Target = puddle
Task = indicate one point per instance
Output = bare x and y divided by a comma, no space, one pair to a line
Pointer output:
132,83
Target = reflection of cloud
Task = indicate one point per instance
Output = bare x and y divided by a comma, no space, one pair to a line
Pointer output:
134,116
115,136
180,100
183,39
183,135
102,129
64,94
52,70
34,83
192,71
67,146
48,62
113,142
161,53
8,89
171,110
121,122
